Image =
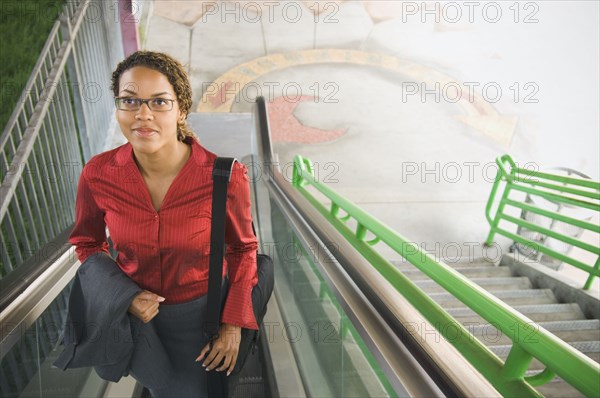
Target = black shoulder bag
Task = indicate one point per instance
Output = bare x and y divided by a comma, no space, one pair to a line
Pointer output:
217,383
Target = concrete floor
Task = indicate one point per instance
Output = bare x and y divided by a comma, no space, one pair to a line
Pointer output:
348,84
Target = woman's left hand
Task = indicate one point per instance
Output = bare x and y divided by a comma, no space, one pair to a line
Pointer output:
223,349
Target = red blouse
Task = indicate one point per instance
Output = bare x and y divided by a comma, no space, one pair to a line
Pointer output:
167,252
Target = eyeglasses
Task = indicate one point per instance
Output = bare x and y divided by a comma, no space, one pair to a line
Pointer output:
134,104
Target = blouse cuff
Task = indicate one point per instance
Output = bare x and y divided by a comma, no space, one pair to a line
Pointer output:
238,307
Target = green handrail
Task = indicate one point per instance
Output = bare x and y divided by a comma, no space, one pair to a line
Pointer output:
529,340
573,191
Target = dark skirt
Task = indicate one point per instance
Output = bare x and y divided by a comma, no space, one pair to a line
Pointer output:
180,328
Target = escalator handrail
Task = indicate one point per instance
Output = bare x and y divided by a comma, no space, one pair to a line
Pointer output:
16,282
23,311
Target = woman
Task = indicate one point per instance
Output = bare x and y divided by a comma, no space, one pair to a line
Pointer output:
154,195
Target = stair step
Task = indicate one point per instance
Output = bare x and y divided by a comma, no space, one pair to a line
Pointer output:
558,388
535,312
510,297
480,262
565,320
571,331
490,284
589,348
469,272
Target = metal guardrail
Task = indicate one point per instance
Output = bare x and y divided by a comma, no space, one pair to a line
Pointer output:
575,192
63,116
529,340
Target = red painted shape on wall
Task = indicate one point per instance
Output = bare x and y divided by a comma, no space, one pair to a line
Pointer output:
286,128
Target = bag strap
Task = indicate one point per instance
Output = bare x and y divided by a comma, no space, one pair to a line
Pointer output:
221,175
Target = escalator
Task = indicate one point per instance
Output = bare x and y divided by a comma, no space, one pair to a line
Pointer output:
332,328
32,324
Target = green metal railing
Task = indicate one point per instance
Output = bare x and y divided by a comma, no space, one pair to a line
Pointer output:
529,340
570,191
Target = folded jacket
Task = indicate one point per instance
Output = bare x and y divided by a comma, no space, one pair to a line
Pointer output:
100,332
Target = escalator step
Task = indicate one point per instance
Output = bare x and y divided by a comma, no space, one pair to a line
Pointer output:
246,387
249,387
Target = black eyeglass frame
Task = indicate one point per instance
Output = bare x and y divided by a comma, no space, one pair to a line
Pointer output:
142,102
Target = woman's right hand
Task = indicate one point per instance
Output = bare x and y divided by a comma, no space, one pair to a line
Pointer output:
145,305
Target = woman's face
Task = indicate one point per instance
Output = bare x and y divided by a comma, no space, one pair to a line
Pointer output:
148,131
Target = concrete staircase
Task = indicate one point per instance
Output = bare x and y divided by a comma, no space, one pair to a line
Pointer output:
565,320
